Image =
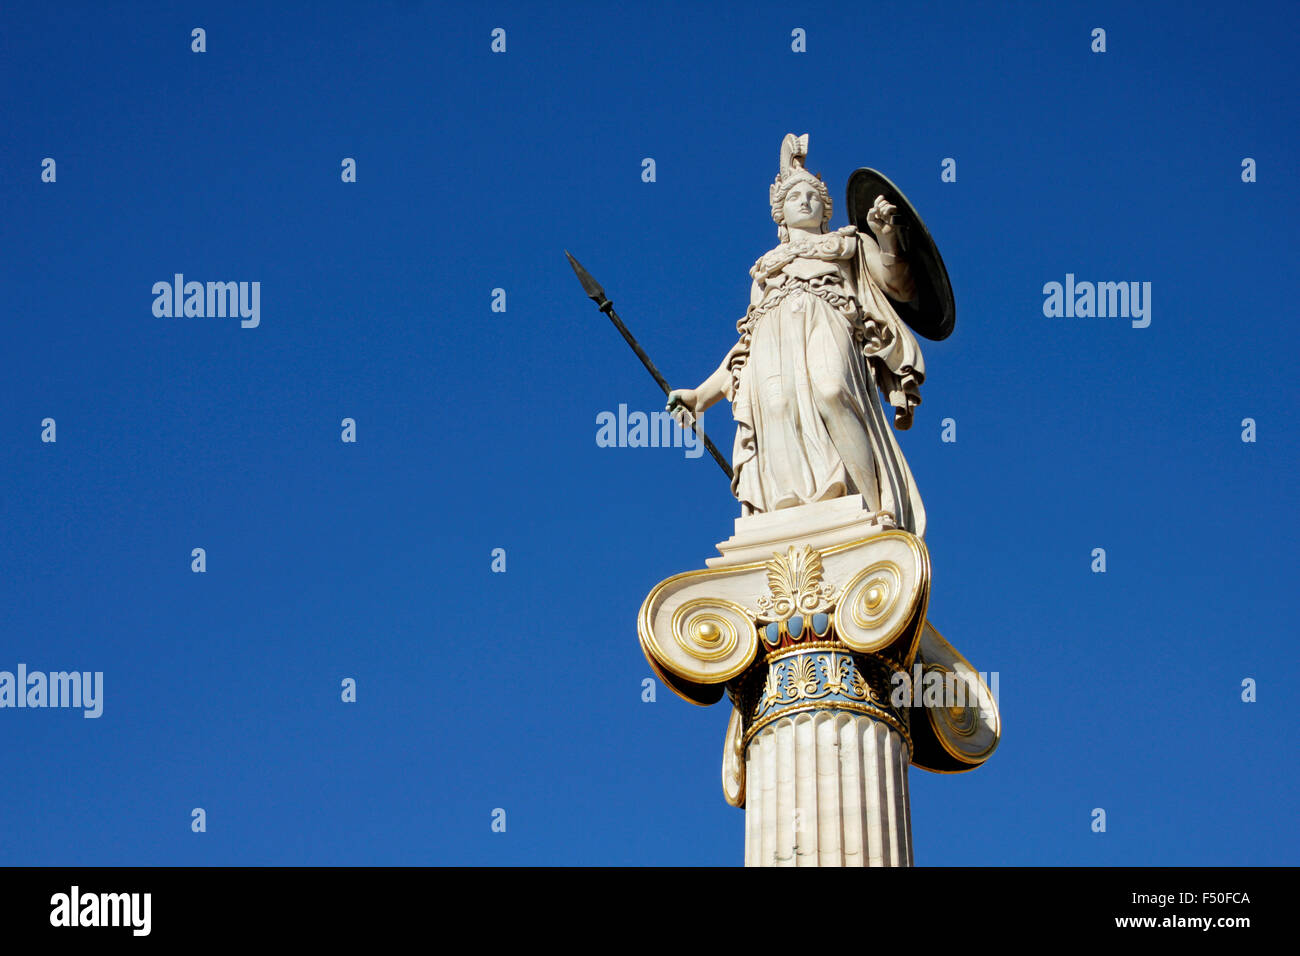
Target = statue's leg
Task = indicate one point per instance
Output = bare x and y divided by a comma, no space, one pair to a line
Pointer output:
781,402
841,411
841,393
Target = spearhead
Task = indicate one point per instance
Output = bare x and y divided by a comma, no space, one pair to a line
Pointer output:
589,285
593,289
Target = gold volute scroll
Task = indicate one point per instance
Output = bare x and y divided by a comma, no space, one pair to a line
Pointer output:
879,605
708,640
733,760
966,729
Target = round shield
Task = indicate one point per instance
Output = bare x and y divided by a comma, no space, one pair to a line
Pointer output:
932,313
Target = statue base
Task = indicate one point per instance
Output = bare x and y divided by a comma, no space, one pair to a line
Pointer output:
819,525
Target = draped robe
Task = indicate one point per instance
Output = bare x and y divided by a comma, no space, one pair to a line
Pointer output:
815,351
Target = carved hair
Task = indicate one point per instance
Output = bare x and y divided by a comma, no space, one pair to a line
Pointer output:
794,152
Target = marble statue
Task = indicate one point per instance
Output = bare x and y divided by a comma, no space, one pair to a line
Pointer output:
818,344
813,618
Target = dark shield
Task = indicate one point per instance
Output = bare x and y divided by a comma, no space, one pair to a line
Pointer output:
932,313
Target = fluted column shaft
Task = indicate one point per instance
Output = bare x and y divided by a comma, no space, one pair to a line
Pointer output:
827,788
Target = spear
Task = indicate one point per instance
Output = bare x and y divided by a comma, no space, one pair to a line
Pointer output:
597,295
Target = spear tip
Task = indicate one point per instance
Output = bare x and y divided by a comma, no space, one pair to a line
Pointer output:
589,285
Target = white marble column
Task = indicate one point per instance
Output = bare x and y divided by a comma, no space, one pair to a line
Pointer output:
827,788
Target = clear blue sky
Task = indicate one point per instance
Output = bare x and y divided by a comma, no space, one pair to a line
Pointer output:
476,429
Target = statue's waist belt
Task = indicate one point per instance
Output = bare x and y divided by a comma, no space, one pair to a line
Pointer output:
826,287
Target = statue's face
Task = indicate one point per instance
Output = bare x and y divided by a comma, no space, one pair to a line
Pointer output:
803,206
